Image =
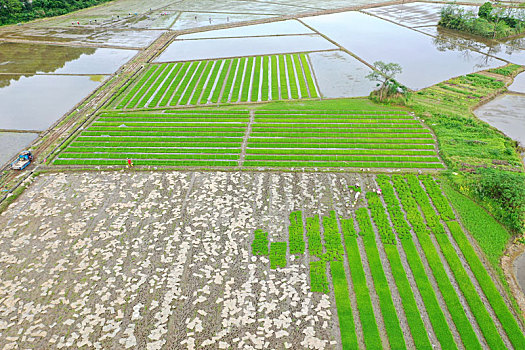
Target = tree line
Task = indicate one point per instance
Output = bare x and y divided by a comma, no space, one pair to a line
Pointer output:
16,11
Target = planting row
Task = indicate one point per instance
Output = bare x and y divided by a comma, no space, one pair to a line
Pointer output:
247,79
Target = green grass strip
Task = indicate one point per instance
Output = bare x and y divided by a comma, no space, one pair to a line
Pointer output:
229,81
309,76
318,279
238,84
163,89
260,243
477,307
291,77
344,307
313,234
283,83
265,89
136,87
184,83
156,83
450,297
275,79
388,310
174,84
364,304
256,79
509,323
278,254
300,76
191,89
213,77
295,233
332,238
203,80
220,82
247,80
144,87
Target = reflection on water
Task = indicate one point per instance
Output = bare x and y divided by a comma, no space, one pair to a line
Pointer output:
374,39
234,47
340,75
35,103
29,59
446,39
519,265
506,113
11,143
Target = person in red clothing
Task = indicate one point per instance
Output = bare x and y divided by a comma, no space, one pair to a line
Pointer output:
130,163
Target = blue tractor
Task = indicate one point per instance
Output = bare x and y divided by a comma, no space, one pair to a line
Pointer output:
24,159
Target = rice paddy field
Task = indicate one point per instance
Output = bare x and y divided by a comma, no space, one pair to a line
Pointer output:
244,79
256,139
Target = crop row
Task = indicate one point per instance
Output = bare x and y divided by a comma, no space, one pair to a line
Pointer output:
147,156
295,233
388,310
260,243
316,158
232,80
318,279
278,254
144,150
182,163
450,297
332,239
407,165
313,234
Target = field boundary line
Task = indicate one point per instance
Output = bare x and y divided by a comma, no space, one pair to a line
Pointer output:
244,144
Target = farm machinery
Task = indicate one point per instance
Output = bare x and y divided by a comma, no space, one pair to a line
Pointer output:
24,159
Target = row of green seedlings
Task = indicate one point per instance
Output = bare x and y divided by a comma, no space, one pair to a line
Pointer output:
149,162
276,251
232,80
342,164
424,220
495,298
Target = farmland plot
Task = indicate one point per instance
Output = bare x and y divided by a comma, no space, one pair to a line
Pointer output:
246,79
244,260
269,139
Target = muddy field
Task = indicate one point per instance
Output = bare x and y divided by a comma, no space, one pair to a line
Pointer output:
117,260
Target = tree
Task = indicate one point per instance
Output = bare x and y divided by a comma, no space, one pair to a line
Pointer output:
485,10
384,75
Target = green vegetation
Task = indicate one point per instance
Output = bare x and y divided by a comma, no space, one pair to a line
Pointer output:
313,234
200,82
318,279
489,22
260,243
278,254
14,11
344,307
468,145
295,233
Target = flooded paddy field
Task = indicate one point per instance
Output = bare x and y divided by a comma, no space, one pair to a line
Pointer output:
188,50
187,20
84,36
519,84
422,62
21,58
289,27
341,75
506,113
12,142
36,102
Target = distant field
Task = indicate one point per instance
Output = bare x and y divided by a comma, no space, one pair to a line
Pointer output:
265,139
247,79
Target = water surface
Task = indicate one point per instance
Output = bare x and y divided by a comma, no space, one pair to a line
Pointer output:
519,265
189,20
341,75
183,50
36,102
373,39
11,143
25,58
519,84
289,27
507,114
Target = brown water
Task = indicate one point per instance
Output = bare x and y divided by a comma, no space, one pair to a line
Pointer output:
36,102
373,39
36,58
11,143
340,75
199,49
